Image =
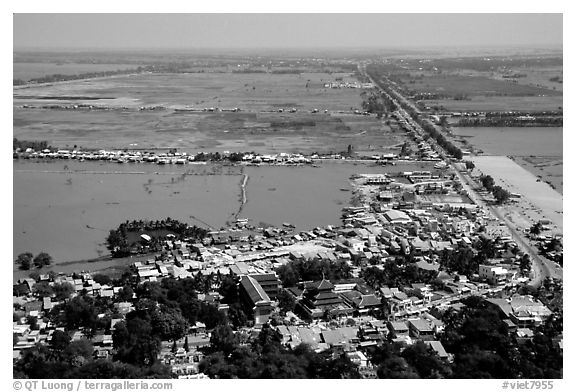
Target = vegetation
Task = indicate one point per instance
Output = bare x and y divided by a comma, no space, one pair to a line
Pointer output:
483,347
395,273
511,122
26,260
487,182
22,145
265,357
126,240
299,270
500,194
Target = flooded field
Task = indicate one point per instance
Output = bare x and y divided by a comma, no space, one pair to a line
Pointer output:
264,123
27,71
516,141
68,211
537,149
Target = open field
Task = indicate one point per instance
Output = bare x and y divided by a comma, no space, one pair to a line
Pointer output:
485,104
472,85
259,132
204,90
540,76
259,126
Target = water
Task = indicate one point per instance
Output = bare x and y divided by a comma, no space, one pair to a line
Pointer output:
68,213
515,141
27,71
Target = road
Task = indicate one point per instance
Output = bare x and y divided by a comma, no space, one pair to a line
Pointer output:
541,267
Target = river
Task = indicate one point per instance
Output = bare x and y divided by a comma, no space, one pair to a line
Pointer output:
66,208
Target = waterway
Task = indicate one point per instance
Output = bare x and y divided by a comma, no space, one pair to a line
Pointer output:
66,208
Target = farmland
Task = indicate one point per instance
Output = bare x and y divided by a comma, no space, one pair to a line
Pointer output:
473,85
264,122
485,103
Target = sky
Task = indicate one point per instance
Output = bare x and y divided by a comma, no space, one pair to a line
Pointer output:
281,30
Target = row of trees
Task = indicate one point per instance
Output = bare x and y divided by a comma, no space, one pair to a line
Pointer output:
27,260
430,129
500,194
36,145
377,103
511,122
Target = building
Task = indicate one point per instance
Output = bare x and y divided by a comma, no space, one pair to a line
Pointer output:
495,275
523,310
421,329
255,299
319,298
270,283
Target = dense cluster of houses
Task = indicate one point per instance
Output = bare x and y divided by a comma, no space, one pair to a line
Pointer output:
159,158
417,214
396,216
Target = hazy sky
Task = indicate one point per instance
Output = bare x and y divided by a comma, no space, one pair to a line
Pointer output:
283,30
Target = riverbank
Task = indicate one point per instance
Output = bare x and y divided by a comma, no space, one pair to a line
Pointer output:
538,200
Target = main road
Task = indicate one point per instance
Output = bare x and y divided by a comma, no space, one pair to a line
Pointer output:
541,267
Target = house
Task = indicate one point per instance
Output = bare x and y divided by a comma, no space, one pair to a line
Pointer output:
358,358
396,217
495,275
399,301
438,348
420,329
361,302
398,328
524,311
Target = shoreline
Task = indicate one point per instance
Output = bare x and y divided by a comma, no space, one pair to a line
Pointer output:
538,200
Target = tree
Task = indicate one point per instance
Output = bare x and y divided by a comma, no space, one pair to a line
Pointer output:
42,289
487,182
24,260
79,348
102,279
536,228
425,361
500,194
286,302
126,293
223,339
168,323
62,291
469,165
59,340
42,259
186,347
525,265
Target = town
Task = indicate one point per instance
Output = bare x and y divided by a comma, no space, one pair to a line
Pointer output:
413,252
287,196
